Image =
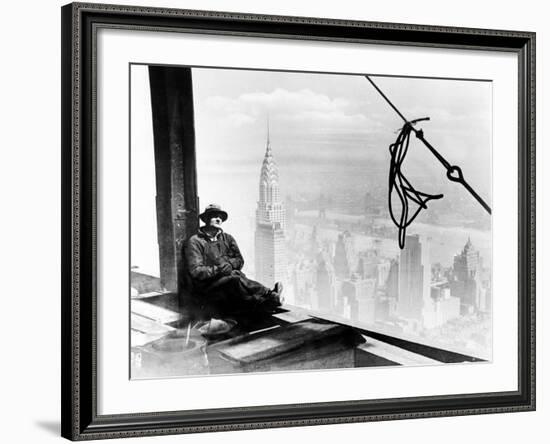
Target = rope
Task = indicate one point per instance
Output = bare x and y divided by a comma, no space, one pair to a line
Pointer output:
399,183
404,189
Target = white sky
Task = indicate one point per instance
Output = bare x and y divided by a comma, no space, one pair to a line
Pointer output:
327,118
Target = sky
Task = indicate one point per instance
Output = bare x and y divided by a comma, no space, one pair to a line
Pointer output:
322,122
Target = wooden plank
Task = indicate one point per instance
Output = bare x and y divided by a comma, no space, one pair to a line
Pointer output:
395,354
268,344
151,294
139,339
154,312
292,316
148,326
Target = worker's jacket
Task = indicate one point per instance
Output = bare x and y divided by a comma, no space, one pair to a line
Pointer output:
205,256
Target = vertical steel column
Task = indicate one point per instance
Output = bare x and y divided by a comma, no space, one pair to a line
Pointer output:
175,166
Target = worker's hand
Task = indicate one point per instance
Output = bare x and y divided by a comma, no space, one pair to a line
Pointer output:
226,260
225,269
234,263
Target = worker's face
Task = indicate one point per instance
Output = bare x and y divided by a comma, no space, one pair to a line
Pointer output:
215,221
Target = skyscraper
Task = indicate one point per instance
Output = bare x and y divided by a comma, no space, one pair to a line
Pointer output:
343,255
360,294
270,255
414,279
466,283
324,283
467,262
442,308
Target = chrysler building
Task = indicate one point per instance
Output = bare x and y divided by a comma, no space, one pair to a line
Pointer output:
270,255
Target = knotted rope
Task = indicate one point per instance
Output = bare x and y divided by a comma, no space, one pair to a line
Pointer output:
403,188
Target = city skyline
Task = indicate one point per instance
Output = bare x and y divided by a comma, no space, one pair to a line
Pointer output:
402,291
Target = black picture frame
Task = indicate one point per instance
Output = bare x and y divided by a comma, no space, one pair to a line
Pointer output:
79,169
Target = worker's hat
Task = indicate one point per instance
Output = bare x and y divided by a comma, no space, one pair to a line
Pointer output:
211,211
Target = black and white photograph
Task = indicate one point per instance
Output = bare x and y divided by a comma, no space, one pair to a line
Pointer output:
305,221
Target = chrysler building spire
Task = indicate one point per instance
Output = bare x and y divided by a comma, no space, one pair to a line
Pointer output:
270,198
